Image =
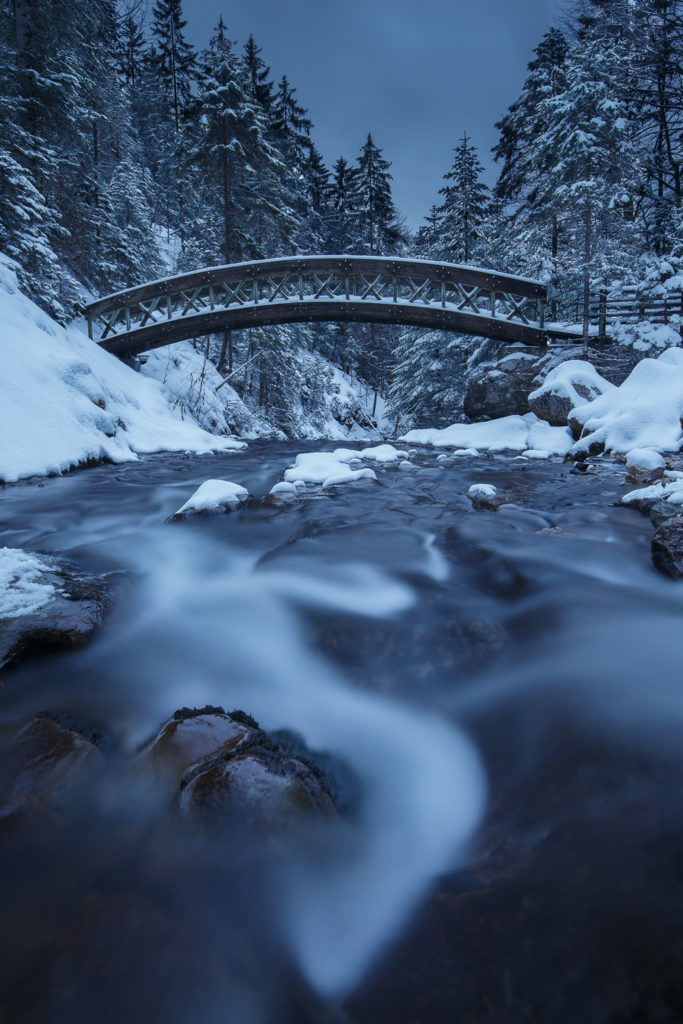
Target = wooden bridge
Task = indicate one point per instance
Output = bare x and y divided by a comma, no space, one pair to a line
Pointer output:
305,289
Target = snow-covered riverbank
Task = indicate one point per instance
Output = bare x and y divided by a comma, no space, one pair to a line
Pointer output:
65,402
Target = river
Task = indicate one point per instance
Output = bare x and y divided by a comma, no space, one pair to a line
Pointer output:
501,692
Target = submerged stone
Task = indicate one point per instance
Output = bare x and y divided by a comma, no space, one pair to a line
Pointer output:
47,754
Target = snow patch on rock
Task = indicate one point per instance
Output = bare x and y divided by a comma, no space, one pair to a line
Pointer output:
215,495
21,589
645,459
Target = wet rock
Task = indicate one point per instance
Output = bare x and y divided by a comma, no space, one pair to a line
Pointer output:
194,736
73,607
501,388
39,763
267,792
667,547
662,511
243,774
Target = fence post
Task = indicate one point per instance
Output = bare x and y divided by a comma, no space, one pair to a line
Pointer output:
602,314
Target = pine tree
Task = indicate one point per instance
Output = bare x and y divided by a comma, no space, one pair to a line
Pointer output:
258,74
590,164
174,57
130,49
464,204
377,215
343,221
289,121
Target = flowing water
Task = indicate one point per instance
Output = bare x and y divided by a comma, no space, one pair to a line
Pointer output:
500,691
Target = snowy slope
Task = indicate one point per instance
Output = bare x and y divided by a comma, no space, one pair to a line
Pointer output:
65,401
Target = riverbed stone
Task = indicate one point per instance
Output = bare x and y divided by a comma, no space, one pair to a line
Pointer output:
667,547
66,621
662,511
41,760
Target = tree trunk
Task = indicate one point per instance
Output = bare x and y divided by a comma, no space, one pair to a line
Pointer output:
587,244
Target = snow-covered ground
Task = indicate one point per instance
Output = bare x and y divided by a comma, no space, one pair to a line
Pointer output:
65,401
645,412
640,419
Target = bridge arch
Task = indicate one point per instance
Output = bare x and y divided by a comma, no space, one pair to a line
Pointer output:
306,289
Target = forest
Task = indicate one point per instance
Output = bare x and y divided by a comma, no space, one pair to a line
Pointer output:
126,155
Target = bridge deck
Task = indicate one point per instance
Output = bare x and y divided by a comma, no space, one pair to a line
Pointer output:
299,289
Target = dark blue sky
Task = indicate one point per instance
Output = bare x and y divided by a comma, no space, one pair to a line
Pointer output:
416,73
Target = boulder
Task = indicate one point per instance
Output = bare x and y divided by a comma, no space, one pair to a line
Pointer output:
225,767
501,388
667,547
39,762
571,384
46,605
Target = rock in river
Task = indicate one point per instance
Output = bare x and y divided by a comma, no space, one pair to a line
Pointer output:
45,605
38,764
667,547
226,767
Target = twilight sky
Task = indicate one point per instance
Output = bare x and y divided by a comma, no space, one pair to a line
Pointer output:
416,73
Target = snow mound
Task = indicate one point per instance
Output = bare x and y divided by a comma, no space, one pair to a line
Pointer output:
572,383
348,476
482,491
284,488
325,468
646,459
645,412
21,590
382,453
511,433
65,401
215,494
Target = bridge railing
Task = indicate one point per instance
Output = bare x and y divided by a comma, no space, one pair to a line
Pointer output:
329,280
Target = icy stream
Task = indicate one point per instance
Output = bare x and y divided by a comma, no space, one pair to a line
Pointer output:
432,649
